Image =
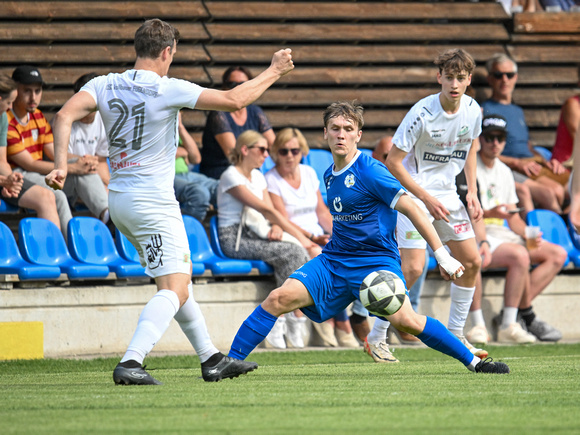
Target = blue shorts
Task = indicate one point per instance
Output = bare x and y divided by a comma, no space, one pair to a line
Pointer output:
334,282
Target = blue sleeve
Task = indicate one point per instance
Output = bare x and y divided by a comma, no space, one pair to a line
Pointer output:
382,185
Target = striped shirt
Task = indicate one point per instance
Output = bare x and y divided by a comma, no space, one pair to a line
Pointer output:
31,137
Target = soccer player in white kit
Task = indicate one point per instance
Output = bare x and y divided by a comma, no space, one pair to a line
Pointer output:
139,109
435,141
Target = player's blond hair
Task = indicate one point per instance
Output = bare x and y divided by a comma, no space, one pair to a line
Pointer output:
455,60
248,138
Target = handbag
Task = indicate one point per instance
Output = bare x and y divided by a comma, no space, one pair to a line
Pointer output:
255,222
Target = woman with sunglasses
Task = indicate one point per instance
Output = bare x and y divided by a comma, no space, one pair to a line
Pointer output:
243,186
295,193
222,128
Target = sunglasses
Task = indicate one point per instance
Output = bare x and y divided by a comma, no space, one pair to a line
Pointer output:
232,85
285,151
498,75
263,150
491,137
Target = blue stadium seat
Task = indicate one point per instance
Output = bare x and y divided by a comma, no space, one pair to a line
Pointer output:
574,236
554,230
11,261
366,151
320,160
129,253
202,252
41,242
263,267
267,165
544,152
7,208
90,242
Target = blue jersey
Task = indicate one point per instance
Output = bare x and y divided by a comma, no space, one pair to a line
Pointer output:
361,198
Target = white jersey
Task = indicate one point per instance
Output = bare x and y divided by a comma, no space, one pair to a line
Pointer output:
438,144
89,139
230,209
301,203
139,110
496,187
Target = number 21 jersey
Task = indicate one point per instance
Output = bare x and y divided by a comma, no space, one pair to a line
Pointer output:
139,110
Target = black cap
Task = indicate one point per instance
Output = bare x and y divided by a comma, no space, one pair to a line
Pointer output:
493,123
27,75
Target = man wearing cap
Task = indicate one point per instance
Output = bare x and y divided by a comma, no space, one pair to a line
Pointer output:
30,144
507,245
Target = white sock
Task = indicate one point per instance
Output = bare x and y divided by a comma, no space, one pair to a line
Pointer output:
379,331
461,298
510,315
477,317
153,323
475,361
192,323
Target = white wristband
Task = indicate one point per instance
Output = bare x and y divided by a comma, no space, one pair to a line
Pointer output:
448,263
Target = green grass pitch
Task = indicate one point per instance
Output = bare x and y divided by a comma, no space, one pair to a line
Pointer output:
305,392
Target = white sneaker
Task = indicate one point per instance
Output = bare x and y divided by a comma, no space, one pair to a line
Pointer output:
275,339
295,330
478,334
515,334
380,352
480,353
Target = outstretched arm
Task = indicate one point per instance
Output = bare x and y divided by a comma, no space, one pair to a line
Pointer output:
79,106
248,92
451,268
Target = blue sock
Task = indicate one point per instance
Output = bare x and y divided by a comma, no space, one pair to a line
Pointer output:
252,333
437,336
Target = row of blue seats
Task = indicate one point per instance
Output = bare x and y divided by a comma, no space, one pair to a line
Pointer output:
42,253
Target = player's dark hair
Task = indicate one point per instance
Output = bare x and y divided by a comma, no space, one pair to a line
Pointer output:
7,85
153,37
83,80
350,110
455,60
227,73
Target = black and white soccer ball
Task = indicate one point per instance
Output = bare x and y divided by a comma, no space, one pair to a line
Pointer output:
382,293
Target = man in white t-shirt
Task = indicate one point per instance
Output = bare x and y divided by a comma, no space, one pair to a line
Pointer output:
139,109
88,146
435,141
508,246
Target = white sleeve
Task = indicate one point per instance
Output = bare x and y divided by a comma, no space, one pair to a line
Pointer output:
409,131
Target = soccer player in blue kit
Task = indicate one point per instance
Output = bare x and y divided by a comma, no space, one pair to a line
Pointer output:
364,199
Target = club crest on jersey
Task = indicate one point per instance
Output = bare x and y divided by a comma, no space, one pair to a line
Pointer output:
349,180
337,204
34,134
463,130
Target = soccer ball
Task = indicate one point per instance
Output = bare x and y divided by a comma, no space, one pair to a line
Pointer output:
382,293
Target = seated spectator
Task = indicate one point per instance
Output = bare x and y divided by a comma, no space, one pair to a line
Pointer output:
15,190
542,181
294,190
88,149
507,245
222,128
522,6
566,131
575,185
30,140
195,192
243,188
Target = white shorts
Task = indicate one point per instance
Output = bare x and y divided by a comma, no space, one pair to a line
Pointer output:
458,228
497,235
153,224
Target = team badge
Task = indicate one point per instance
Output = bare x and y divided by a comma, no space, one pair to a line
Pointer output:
349,180
463,130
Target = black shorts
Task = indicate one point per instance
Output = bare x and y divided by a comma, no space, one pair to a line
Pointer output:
14,201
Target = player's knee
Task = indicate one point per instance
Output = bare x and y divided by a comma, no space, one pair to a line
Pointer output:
412,271
472,264
279,301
